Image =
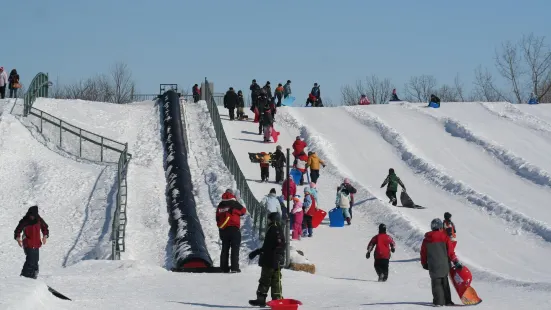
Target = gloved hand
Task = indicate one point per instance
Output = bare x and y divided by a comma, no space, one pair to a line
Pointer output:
367,255
426,267
382,186
392,250
254,253
457,265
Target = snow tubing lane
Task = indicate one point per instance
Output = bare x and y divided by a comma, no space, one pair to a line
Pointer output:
189,248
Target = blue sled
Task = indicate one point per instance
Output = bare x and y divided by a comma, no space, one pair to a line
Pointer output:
336,219
434,105
296,175
532,101
288,101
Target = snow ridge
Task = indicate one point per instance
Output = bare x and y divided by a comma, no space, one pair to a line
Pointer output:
509,111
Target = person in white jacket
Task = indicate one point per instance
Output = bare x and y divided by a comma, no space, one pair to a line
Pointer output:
3,83
271,203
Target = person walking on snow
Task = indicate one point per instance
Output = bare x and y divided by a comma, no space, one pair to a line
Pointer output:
392,180
314,163
346,184
231,101
255,92
287,89
264,160
240,106
449,227
278,162
228,220
262,106
310,207
279,93
292,188
298,217
31,225
13,82
196,93
300,164
343,201
298,146
436,254
3,83
268,89
383,245
267,122
364,100
272,257
271,203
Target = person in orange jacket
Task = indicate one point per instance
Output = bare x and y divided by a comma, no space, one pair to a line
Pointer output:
264,159
279,93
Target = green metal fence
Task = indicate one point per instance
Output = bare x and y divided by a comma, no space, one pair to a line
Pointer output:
257,211
38,88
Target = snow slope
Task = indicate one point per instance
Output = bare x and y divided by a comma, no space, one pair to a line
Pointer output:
137,124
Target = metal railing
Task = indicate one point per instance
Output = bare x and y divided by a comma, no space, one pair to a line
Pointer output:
218,97
257,211
90,146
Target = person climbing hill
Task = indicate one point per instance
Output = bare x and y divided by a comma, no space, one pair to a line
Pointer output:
383,245
314,163
298,146
392,180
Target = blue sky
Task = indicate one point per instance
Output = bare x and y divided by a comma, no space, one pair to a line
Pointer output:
233,41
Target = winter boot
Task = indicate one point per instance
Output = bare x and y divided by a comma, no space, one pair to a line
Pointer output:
381,277
348,221
235,270
260,301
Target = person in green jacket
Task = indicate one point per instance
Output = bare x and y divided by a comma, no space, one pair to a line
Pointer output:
392,180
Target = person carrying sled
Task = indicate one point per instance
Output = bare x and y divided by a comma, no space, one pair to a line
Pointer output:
279,91
228,220
292,188
342,201
278,162
392,180
287,89
434,101
240,106
264,160
364,100
310,207
383,245
231,101
255,92
196,93
300,164
436,254
271,203
449,227
314,163
394,96
31,225
298,146
298,217
346,184
272,257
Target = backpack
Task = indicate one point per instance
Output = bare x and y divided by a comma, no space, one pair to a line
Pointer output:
344,199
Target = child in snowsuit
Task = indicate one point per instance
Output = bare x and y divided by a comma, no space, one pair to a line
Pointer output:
383,245
343,201
434,102
309,206
300,164
449,227
392,180
314,163
31,225
272,257
298,216
264,166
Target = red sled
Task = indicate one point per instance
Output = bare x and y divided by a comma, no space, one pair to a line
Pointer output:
256,115
275,134
461,279
284,304
318,217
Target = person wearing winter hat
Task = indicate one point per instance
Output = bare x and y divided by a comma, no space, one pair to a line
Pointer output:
278,162
351,190
268,89
287,89
392,180
255,91
228,220
314,163
298,216
383,245
271,203
298,146
449,227
31,225
289,194
309,205
436,254
272,258
279,93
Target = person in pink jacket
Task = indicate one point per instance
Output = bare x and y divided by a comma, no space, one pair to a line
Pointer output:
298,215
364,100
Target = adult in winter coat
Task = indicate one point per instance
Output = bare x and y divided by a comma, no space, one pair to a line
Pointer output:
31,225
240,105
310,207
287,89
278,162
316,91
449,227
364,100
383,246
255,92
298,146
298,217
300,164
263,104
268,89
267,121
289,194
436,255
3,83
231,101
272,257
13,82
392,180
314,163
228,220
279,93
346,184
196,91
394,96
271,203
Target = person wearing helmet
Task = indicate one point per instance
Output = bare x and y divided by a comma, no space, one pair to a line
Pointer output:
449,227
383,245
278,162
287,89
392,180
436,254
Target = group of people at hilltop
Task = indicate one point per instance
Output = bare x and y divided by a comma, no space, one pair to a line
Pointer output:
11,82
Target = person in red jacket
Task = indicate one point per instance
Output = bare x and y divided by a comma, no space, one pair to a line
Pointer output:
383,245
298,147
228,220
436,255
292,188
31,225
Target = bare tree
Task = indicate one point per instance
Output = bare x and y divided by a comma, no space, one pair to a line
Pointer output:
459,88
538,61
122,83
447,93
378,90
328,102
485,89
508,63
349,95
419,88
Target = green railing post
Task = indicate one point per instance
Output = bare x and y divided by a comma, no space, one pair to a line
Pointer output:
60,131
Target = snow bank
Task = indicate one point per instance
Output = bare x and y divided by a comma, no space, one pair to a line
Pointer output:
513,113
22,293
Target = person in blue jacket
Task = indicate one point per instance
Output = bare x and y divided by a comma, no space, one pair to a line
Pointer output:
533,99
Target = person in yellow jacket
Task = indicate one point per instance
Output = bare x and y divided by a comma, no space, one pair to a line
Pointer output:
314,163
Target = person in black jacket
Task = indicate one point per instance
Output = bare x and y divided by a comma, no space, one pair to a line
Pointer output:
255,91
272,257
231,101
13,83
196,93
278,162
262,103
240,105
268,89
